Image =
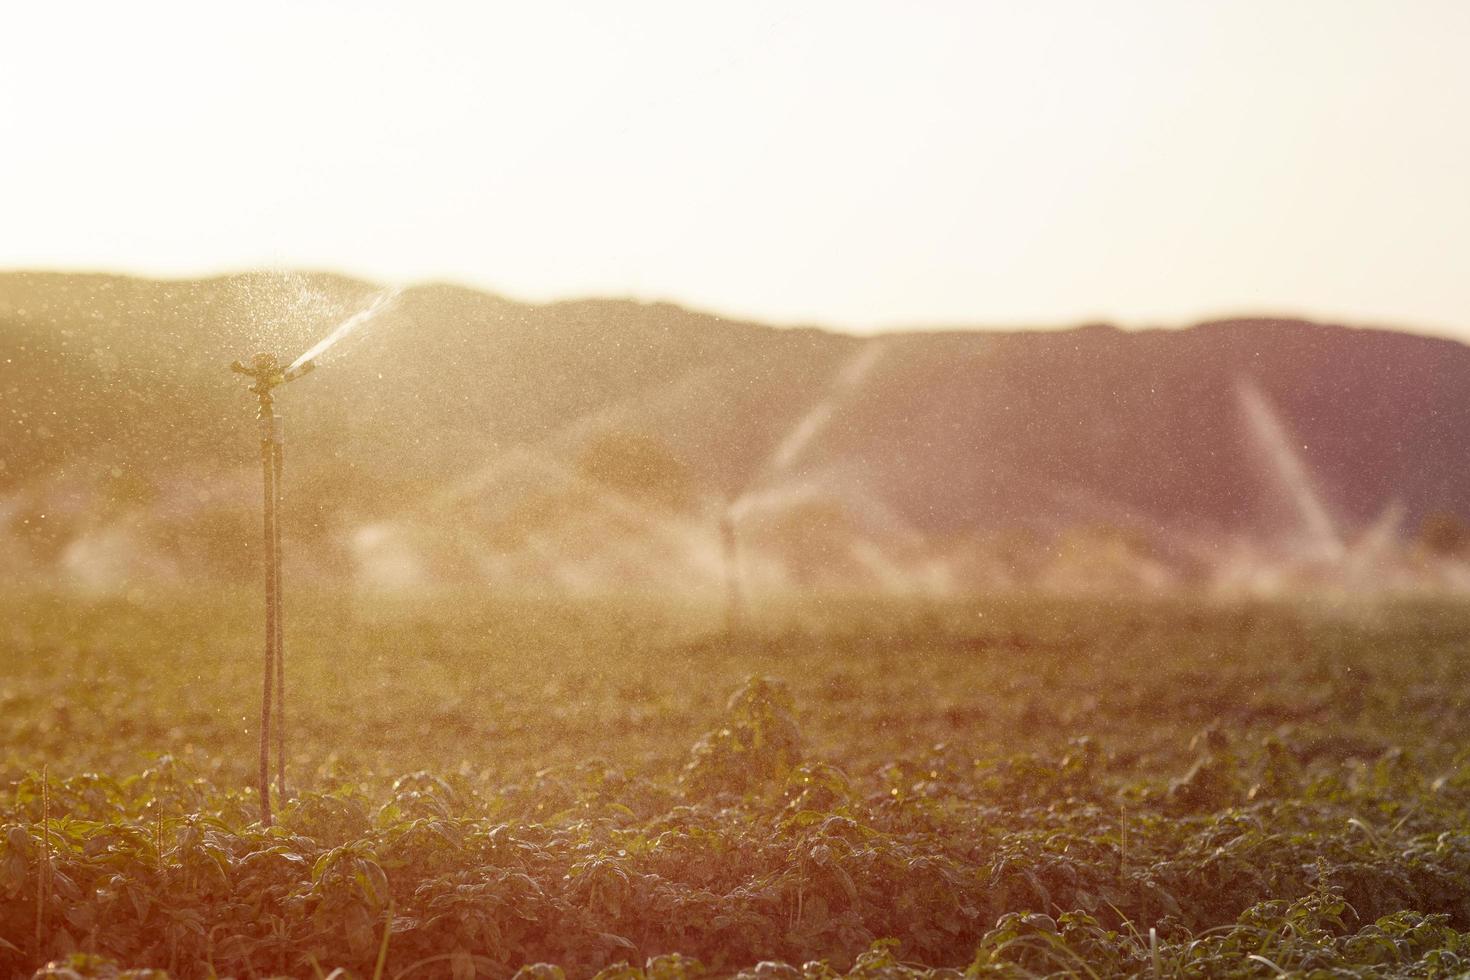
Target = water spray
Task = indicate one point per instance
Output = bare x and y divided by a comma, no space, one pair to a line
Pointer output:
268,374
792,448
1290,469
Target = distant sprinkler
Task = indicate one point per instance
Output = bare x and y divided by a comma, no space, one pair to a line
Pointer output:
734,599
268,374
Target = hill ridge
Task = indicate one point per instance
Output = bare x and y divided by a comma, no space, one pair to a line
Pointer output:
843,451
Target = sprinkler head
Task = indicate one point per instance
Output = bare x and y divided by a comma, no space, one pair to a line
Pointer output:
266,369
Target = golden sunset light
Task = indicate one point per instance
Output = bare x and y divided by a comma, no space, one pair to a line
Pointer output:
778,491
857,165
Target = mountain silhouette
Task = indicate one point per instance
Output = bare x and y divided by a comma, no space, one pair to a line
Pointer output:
463,437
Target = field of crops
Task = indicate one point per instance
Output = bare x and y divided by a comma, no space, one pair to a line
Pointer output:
1002,788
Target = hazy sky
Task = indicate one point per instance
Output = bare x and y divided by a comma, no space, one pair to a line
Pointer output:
855,164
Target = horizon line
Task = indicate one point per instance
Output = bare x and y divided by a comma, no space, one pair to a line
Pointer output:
1440,332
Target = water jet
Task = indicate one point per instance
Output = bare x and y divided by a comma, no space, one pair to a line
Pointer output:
1266,428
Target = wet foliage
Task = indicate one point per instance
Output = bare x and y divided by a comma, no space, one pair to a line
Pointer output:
1008,789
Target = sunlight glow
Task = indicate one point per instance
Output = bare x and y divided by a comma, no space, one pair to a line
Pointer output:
855,164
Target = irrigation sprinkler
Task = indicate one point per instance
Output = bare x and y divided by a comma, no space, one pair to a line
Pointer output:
268,374
734,597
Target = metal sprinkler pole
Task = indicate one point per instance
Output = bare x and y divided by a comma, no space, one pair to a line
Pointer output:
267,469
734,600
268,375
277,450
